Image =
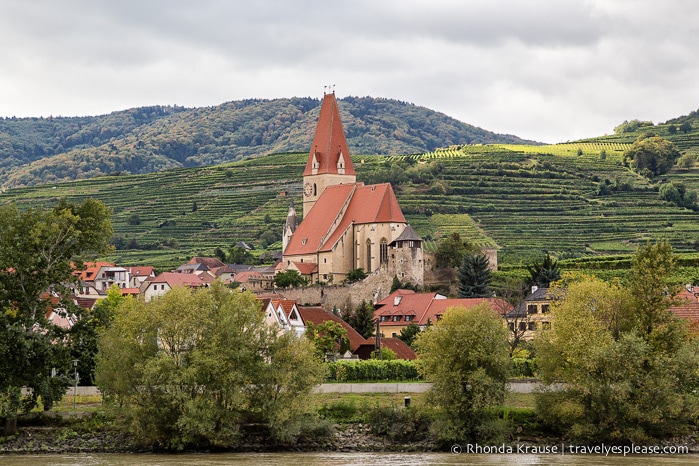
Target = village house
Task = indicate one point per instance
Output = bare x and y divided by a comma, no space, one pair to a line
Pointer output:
166,281
532,314
688,307
404,307
346,225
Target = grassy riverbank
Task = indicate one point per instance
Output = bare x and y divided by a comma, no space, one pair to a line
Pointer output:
351,422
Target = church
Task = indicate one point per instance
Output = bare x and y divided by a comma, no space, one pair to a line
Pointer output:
346,225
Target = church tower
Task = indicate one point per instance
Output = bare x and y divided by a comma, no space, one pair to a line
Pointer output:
329,160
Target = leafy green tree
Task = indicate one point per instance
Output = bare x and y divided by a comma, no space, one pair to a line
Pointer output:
409,333
38,250
465,356
289,279
651,155
677,194
630,369
686,127
451,251
133,219
631,126
199,376
362,319
395,284
687,161
355,275
85,332
328,338
240,255
474,276
543,273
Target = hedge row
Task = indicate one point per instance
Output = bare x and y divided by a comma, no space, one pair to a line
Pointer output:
372,370
396,370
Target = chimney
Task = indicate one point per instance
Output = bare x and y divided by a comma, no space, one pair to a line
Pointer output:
534,288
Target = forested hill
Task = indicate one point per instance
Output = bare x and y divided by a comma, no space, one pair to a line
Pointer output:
149,139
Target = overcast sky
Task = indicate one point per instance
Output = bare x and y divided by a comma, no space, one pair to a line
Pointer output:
548,70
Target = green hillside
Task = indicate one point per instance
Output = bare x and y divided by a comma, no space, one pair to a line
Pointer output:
151,139
524,200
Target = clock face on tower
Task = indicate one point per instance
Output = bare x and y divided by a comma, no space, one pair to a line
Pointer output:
307,189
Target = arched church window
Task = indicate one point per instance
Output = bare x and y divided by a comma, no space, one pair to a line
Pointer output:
368,256
383,251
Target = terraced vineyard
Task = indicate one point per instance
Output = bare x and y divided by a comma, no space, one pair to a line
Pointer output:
524,200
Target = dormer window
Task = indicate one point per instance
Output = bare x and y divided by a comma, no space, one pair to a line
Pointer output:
396,318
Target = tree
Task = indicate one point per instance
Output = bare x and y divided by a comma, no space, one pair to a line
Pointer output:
542,274
289,279
629,367
328,338
355,275
512,307
677,194
687,161
465,356
198,377
85,332
686,127
474,276
38,250
451,251
409,333
652,154
362,319
240,255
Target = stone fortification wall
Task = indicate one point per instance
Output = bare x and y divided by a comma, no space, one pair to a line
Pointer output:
374,288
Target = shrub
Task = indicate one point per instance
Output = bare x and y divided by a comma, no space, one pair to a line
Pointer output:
372,370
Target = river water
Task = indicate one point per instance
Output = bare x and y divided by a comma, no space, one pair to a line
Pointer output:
339,459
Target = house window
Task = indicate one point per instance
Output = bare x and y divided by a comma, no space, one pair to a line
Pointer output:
522,326
532,326
383,251
408,318
396,318
384,318
512,326
531,309
544,308
394,335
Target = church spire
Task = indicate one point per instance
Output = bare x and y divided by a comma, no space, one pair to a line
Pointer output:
329,153
329,161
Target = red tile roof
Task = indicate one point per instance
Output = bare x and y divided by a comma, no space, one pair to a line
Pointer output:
688,309
91,269
130,291
423,306
337,209
318,315
210,262
141,271
439,306
244,277
399,347
174,279
306,268
329,140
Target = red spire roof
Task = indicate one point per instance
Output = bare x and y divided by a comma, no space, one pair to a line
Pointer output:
329,142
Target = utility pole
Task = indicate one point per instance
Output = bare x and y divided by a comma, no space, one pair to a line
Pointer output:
75,383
